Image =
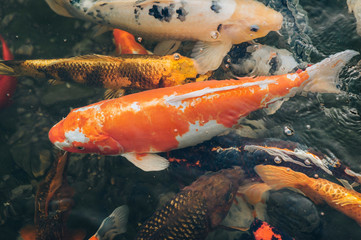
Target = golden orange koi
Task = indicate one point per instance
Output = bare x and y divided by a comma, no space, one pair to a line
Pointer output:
344,200
128,71
137,125
125,43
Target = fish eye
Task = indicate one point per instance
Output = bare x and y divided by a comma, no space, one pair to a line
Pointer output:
80,148
254,28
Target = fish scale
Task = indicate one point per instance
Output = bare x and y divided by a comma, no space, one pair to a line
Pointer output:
128,71
184,217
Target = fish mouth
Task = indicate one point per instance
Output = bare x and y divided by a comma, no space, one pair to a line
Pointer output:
57,136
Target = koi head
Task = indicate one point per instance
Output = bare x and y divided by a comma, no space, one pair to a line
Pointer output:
251,20
82,132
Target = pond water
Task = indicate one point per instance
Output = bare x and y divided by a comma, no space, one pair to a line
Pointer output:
329,123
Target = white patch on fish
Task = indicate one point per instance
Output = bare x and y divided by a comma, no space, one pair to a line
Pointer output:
197,133
135,106
292,77
82,109
76,136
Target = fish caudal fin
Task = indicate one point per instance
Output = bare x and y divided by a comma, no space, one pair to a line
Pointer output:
113,225
6,70
280,177
59,7
147,162
254,192
208,56
324,75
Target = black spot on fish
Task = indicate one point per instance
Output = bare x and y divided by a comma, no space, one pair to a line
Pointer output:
182,13
103,4
137,11
275,64
219,28
64,74
215,6
162,14
95,77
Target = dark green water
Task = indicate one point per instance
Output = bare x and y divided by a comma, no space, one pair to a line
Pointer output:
327,122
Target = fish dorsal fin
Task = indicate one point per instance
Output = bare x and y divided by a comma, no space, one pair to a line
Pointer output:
208,56
90,57
147,162
113,93
166,47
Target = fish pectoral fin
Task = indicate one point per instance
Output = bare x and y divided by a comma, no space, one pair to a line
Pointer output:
273,107
113,93
148,161
254,192
209,55
59,7
345,201
100,29
166,47
55,82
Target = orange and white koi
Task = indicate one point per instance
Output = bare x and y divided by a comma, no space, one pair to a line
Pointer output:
214,24
138,125
125,43
344,200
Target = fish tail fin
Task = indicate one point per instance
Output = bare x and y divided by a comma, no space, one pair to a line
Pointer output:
6,68
114,224
324,75
59,7
254,192
281,177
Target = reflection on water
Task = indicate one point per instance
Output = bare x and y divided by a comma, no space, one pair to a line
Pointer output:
329,123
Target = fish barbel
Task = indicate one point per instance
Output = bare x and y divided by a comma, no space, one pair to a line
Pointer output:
344,200
126,71
216,25
159,120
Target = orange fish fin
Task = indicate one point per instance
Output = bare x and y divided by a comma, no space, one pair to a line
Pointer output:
147,161
254,192
113,93
281,177
166,47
